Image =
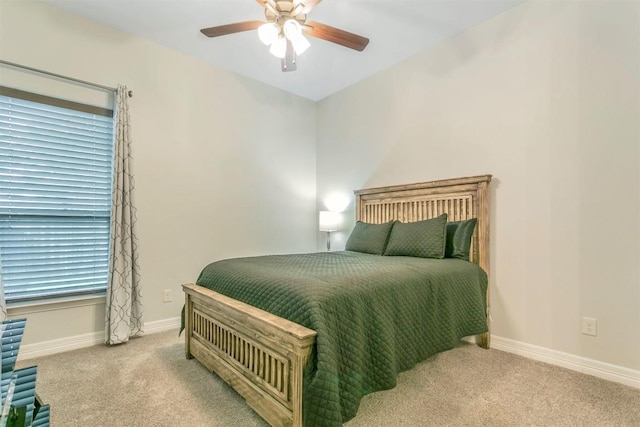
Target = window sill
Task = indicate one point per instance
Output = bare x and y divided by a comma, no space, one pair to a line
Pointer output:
23,308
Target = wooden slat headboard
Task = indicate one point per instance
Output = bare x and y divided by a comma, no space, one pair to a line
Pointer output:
459,198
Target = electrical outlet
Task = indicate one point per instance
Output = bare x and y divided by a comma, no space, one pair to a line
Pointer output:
166,295
589,326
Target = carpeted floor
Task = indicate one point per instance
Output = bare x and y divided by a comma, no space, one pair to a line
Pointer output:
148,382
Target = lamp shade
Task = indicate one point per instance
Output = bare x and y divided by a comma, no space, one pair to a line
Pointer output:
329,220
279,47
300,45
268,33
293,31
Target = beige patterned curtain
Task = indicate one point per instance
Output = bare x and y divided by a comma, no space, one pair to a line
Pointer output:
124,300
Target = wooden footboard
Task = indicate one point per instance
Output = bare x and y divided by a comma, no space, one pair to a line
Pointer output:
260,355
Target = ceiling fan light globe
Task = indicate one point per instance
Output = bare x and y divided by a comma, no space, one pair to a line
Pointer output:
292,29
300,44
268,33
279,48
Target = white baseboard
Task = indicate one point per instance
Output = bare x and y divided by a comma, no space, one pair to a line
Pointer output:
593,367
29,351
162,325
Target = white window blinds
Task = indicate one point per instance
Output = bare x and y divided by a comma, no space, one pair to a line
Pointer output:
55,199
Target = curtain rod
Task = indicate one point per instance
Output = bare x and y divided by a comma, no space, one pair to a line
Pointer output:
59,76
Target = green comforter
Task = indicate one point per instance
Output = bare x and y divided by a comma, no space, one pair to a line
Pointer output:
375,316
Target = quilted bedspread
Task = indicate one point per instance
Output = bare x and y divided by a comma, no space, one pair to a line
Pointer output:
375,316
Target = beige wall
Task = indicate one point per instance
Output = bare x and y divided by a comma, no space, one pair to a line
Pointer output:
546,97
217,174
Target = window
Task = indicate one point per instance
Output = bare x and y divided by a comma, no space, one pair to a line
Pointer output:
56,162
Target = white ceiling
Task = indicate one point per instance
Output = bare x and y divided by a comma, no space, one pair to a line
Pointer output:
397,29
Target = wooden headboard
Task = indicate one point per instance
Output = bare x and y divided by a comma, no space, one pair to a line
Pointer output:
459,198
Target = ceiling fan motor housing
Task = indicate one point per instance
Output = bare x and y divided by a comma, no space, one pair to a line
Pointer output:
279,12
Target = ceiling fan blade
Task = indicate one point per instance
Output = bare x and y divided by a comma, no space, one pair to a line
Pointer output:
308,4
336,35
238,27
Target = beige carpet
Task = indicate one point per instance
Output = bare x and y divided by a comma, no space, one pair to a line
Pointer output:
148,382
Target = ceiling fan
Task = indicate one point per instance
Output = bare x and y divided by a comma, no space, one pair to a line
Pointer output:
286,21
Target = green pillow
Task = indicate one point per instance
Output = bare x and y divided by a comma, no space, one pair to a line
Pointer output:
369,238
459,235
423,239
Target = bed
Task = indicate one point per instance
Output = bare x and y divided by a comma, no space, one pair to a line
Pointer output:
308,361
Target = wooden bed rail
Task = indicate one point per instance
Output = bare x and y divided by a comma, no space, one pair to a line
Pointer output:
260,355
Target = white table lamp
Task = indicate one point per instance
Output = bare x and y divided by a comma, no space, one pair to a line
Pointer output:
329,222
